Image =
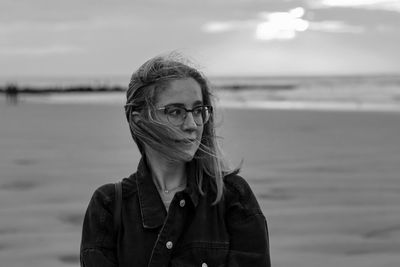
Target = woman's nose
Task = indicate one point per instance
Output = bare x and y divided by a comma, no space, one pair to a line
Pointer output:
189,123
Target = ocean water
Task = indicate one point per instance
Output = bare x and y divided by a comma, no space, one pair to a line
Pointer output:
357,93
380,93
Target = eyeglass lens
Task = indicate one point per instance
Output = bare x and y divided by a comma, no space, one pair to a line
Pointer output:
177,115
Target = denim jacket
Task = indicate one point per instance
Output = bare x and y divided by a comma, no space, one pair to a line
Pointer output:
193,232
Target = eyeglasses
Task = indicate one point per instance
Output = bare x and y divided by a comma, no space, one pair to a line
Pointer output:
177,115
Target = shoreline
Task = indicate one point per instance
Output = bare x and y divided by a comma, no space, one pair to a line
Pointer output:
224,100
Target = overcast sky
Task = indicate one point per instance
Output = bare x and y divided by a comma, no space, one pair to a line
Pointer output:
226,37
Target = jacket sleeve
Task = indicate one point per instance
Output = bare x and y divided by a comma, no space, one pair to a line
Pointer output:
98,241
247,226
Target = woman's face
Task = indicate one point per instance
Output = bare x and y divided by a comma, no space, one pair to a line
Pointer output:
183,93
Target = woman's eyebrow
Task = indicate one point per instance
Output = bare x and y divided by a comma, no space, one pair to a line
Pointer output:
175,105
196,103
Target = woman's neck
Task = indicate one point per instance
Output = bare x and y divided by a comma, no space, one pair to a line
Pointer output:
166,173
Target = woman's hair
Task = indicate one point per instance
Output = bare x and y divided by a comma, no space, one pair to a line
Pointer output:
145,85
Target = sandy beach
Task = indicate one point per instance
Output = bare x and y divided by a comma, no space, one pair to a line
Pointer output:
328,182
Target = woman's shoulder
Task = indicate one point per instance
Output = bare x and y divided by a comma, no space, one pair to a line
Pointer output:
236,184
238,193
106,192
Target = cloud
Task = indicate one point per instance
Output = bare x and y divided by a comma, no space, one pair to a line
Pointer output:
268,26
39,51
227,26
281,25
18,27
390,5
65,26
335,27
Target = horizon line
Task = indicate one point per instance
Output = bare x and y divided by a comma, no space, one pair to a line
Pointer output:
361,74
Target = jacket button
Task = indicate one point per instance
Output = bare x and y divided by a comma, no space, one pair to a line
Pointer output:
204,264
182,203
169,245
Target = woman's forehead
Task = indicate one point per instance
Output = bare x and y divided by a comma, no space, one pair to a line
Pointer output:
181,91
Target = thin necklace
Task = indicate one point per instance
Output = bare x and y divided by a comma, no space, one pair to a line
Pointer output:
167,191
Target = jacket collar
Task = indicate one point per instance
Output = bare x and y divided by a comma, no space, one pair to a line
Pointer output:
151,206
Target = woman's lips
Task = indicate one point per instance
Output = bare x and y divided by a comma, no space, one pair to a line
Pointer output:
186,141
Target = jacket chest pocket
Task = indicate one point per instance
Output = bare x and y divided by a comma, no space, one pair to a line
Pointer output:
202,254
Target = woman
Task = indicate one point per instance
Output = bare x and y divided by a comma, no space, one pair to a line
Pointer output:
183,206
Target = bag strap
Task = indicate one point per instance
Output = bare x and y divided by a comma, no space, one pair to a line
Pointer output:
118,207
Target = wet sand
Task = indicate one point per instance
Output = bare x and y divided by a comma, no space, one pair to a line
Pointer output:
328,182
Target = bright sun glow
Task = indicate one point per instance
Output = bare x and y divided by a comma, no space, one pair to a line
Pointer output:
297,12
282,25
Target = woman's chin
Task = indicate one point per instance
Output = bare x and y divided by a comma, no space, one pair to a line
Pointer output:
189,150
188,154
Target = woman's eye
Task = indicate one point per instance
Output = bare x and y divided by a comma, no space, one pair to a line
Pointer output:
198,111
174,111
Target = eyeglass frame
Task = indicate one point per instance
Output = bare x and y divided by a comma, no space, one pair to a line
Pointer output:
209,109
